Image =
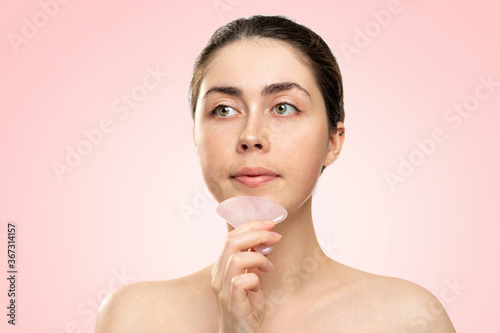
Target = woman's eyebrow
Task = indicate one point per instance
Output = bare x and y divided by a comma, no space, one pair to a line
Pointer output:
268,90
283,86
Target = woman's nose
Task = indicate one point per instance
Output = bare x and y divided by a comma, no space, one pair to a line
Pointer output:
255,134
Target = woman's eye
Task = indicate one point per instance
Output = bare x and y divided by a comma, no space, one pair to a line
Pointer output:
223,110
283,108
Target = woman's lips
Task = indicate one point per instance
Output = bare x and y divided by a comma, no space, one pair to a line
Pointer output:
254,181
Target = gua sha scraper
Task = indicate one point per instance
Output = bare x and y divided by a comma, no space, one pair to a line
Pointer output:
241,209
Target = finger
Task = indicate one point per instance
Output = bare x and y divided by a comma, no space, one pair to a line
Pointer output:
237,242
250,239
239,262
219,267
238,293
257,299
240,242
250,225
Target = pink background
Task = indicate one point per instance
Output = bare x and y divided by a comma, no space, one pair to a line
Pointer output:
116,218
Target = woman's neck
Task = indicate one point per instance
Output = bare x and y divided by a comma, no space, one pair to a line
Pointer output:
300,266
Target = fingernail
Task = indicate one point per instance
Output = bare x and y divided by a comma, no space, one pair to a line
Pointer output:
269,222
275,234
270,263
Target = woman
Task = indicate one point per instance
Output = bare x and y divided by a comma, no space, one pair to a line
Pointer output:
267,104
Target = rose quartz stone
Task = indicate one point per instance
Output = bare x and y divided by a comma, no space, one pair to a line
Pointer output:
241,209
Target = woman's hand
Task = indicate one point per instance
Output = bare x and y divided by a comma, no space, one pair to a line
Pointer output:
240,300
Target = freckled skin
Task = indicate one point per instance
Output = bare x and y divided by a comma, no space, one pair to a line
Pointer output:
294,146
306,290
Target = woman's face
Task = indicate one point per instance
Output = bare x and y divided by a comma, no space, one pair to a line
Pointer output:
267,112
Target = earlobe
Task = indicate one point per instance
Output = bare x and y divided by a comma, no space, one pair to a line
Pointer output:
336,141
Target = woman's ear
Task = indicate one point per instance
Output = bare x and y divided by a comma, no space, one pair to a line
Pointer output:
335,143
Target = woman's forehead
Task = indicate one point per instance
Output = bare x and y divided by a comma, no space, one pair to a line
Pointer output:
253,64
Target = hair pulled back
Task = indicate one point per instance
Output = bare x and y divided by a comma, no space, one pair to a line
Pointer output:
315,51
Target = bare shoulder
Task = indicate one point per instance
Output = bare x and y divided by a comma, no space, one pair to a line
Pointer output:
407,305
163,306
420,309
132,308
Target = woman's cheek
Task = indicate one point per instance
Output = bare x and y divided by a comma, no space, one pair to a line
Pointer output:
215,156
284,126
309,153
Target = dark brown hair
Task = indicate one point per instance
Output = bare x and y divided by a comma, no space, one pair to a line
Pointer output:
317,54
